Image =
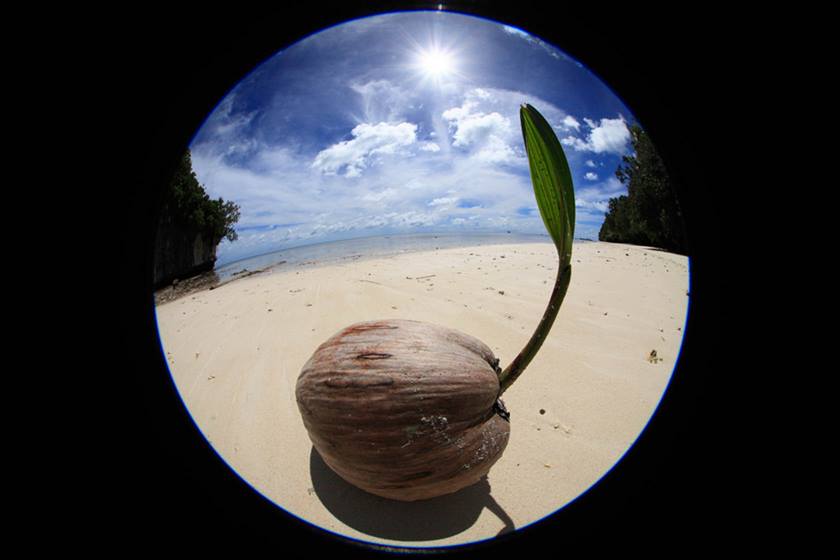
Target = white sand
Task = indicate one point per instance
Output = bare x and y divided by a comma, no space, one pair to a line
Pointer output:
235,353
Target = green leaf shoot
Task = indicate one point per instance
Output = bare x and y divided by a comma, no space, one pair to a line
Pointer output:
555,195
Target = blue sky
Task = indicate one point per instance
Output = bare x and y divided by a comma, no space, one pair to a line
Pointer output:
403,123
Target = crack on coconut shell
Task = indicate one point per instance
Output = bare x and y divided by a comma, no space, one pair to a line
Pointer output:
373,356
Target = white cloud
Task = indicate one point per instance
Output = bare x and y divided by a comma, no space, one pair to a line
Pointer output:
593,201
486,134
597,205
444,202
571,122
473,127
429,147
591,176
379,196
381,101
611,136
608,136
369,140
590,163
551,51
411,179
515,31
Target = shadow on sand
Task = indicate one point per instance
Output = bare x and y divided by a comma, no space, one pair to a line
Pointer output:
432,519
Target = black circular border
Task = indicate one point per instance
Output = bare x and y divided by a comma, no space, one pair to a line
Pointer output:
170,68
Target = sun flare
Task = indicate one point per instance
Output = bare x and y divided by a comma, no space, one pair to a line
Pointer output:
436,63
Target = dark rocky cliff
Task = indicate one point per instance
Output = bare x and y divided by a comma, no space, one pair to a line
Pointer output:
190,227
181,252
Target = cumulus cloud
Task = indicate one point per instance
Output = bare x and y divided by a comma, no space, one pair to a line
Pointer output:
369,140
591,176
480,130
571,122
607,136
472,127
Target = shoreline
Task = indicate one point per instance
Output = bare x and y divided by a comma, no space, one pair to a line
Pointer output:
210,280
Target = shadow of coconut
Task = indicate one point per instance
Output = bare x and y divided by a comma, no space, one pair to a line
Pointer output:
423,520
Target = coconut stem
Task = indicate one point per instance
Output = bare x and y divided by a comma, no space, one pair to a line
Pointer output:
518,365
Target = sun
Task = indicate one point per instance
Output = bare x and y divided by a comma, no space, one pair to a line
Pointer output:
436,63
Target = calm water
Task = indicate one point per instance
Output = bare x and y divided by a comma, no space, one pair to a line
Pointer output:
367,247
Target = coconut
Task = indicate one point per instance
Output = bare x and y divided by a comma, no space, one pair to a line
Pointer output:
404,409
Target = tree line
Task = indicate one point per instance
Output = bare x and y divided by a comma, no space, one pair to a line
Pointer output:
188,205
649,214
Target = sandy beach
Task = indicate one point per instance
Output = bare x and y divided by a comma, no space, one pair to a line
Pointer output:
235,353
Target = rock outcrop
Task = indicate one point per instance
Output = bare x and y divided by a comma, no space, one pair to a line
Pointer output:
181,253
190,227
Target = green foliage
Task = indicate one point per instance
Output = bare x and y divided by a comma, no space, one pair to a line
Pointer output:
649,214
189,206
551,178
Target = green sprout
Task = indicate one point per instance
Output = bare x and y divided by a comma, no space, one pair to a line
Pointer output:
555,196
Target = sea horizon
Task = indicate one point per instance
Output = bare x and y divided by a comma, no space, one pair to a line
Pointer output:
368,247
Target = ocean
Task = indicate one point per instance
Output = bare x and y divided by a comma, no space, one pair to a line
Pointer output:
367,247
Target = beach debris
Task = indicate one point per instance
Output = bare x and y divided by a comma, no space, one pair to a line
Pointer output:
542,411
501,292
376,385
653,358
